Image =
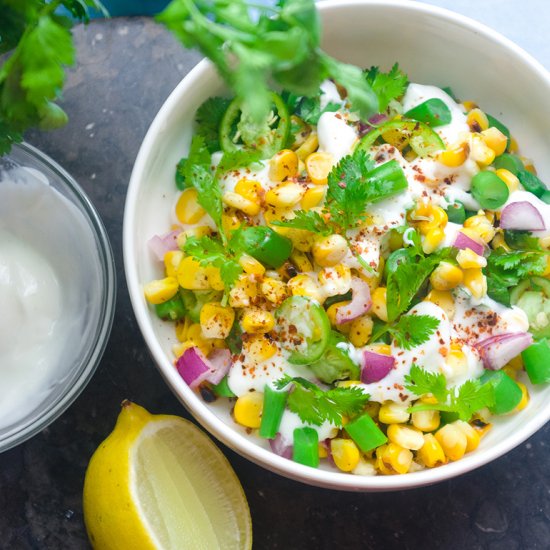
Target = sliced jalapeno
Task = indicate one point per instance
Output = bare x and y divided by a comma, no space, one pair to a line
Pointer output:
335,364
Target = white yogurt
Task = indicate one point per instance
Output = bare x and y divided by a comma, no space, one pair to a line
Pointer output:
336,136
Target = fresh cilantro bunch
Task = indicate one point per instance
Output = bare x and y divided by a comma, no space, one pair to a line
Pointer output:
38,46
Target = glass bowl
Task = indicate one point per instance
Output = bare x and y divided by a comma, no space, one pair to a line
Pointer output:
42,207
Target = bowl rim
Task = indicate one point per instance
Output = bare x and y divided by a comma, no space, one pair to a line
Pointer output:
198,409
90,361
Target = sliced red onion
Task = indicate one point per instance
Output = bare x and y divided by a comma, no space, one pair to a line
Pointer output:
497,351
373,121
161,244
463,242
360,302
195,368
280,447
376,366
522,215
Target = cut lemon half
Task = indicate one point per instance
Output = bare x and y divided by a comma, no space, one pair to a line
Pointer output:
158,482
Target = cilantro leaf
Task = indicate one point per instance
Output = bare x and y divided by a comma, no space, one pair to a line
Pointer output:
413,330
315,406
387,86
308,220
422,382
208,119
309,108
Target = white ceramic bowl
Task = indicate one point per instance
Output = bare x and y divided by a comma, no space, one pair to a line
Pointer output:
433,46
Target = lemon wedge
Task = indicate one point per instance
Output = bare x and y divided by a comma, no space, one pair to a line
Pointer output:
158,482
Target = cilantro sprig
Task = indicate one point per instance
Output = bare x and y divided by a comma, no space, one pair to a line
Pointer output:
410,331
465,400
315,406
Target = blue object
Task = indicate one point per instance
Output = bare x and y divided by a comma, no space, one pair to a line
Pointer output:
131,7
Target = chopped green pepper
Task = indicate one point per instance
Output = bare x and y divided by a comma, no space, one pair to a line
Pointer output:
536,359
510,162
264,244
274,406
507,393
366,434
222,389
489,190
433,112
306,447
172,310
456,213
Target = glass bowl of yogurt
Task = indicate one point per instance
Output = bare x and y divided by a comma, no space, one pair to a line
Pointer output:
57,292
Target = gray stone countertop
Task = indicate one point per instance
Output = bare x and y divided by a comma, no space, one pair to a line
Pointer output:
125,71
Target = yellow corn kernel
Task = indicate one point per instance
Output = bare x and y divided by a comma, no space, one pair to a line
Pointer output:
513,148
188,209
285,195
475,282
393,413
452,441
472,437
243,290
171,261
330,250
426,421
258,348
382,349
361,330
318,166
524,396
249,189
477,120
528,163
405,436
182,327
214,277
179,349
305,285
456,360
365,467
379,463
322,450
161,290
499,242
230,221
444,299
309,146
511,180
197,231
196,338
468,259
469,105
257,321
302,240
431,453
251,265
455,156
234,200
331,312
432,240
335,280
480,227
344,453
248,409
283,165
446,276
395,458
275,291
436,217
379,306
480,152
301,261
516,363
495,139
216,320
313,197
546,271
545,242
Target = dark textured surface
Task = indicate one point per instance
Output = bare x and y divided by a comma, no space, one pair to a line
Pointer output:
126,69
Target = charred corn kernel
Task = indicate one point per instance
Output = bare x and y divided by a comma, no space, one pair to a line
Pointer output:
230,221
426,421
322,450
309,146
477,120
330,250
301,261
455,156
495,139
395,458
452,441
393,413
480,426
318,166
446,276
216,320
444,299
480,227
528,163
248,409
283,165
243,291
475,282
372,408
171,261
188,209
258,348
214,277
480,151
379,464
285,195
379,306
469,105
405,436
196,338
433,238
302,240
335,280
472,437
182,328
431,453
468,259
360,331
545,242
313,197
331,312
249,189
275,291
524,396
251,265
257,321
305,285
234,200
161,290
499,242
197,231
344,453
